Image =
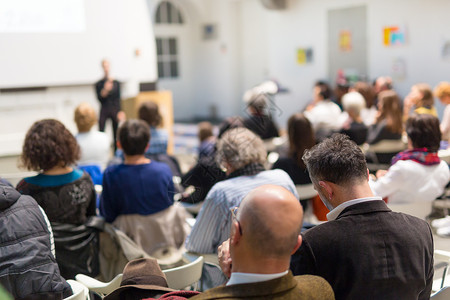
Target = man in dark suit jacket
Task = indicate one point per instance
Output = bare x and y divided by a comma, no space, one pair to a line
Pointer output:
365,251
108,93
264,234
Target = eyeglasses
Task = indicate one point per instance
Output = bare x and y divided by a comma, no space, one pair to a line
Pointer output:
233,214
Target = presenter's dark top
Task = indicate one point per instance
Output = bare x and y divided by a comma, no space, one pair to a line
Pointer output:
112,100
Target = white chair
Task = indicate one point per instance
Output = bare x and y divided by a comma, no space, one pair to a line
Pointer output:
80,292
102,288
419,209
442,294
384,146
441,278
181,277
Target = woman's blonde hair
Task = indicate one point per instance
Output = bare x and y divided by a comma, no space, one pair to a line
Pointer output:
85,117
442,90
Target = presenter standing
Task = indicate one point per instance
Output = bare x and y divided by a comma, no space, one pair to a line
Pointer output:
108,93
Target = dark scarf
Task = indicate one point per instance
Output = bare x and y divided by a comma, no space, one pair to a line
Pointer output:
419,155
247,170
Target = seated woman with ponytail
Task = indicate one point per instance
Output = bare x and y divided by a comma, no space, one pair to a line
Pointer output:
416,174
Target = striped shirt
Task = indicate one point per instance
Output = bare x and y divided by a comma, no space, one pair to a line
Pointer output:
212,227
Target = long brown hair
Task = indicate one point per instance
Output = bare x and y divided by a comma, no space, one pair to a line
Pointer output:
301,137
427,99
390,110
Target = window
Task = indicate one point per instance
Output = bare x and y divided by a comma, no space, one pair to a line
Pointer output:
167,13
167,57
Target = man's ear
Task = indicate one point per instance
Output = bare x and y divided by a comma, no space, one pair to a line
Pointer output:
299,243
235,235
146,148
368,175
119,145
327,187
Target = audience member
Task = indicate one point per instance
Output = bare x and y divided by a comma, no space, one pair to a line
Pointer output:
108,93
421,99
323,114
207,172
369,113
301,137
139,185
442,91
354,126
94,145
242,154
206,139
381,84
66,194
260,121
264,234
143,278
138,194
388,125
149,112
365,251
27,267
416,174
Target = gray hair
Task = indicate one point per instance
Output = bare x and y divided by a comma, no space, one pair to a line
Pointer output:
239,147
353,101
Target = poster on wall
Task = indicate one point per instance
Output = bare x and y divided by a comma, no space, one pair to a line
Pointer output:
345,40
394,36
304,56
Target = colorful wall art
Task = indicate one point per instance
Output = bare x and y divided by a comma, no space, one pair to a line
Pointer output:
394,35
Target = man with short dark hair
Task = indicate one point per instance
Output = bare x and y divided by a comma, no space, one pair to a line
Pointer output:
365,251
264,233
139,185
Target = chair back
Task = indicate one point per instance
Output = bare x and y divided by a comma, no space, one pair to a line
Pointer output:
305,191
94,285
442,294
419,209
441,277
181,277
387,146
80,292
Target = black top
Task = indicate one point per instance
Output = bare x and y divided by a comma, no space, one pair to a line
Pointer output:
262,125
378,132
112,100
357,132
289,165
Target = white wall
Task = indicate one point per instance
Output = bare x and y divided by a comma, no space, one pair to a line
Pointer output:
43,59
304,24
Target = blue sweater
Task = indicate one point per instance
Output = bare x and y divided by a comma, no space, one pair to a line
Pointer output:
136,189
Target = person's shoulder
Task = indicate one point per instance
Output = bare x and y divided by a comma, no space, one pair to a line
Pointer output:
112,169
314,287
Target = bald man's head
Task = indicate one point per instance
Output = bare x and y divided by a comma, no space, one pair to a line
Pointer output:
271,219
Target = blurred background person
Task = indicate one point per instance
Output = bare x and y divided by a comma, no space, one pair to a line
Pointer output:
301,137
369,113
354,126
442,91
416,174
108,93
95,146
420,99
388,124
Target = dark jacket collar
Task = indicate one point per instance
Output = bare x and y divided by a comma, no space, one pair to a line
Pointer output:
364,208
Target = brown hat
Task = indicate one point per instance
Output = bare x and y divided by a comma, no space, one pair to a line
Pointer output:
143,274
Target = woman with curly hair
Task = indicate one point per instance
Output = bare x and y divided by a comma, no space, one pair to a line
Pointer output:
66,194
